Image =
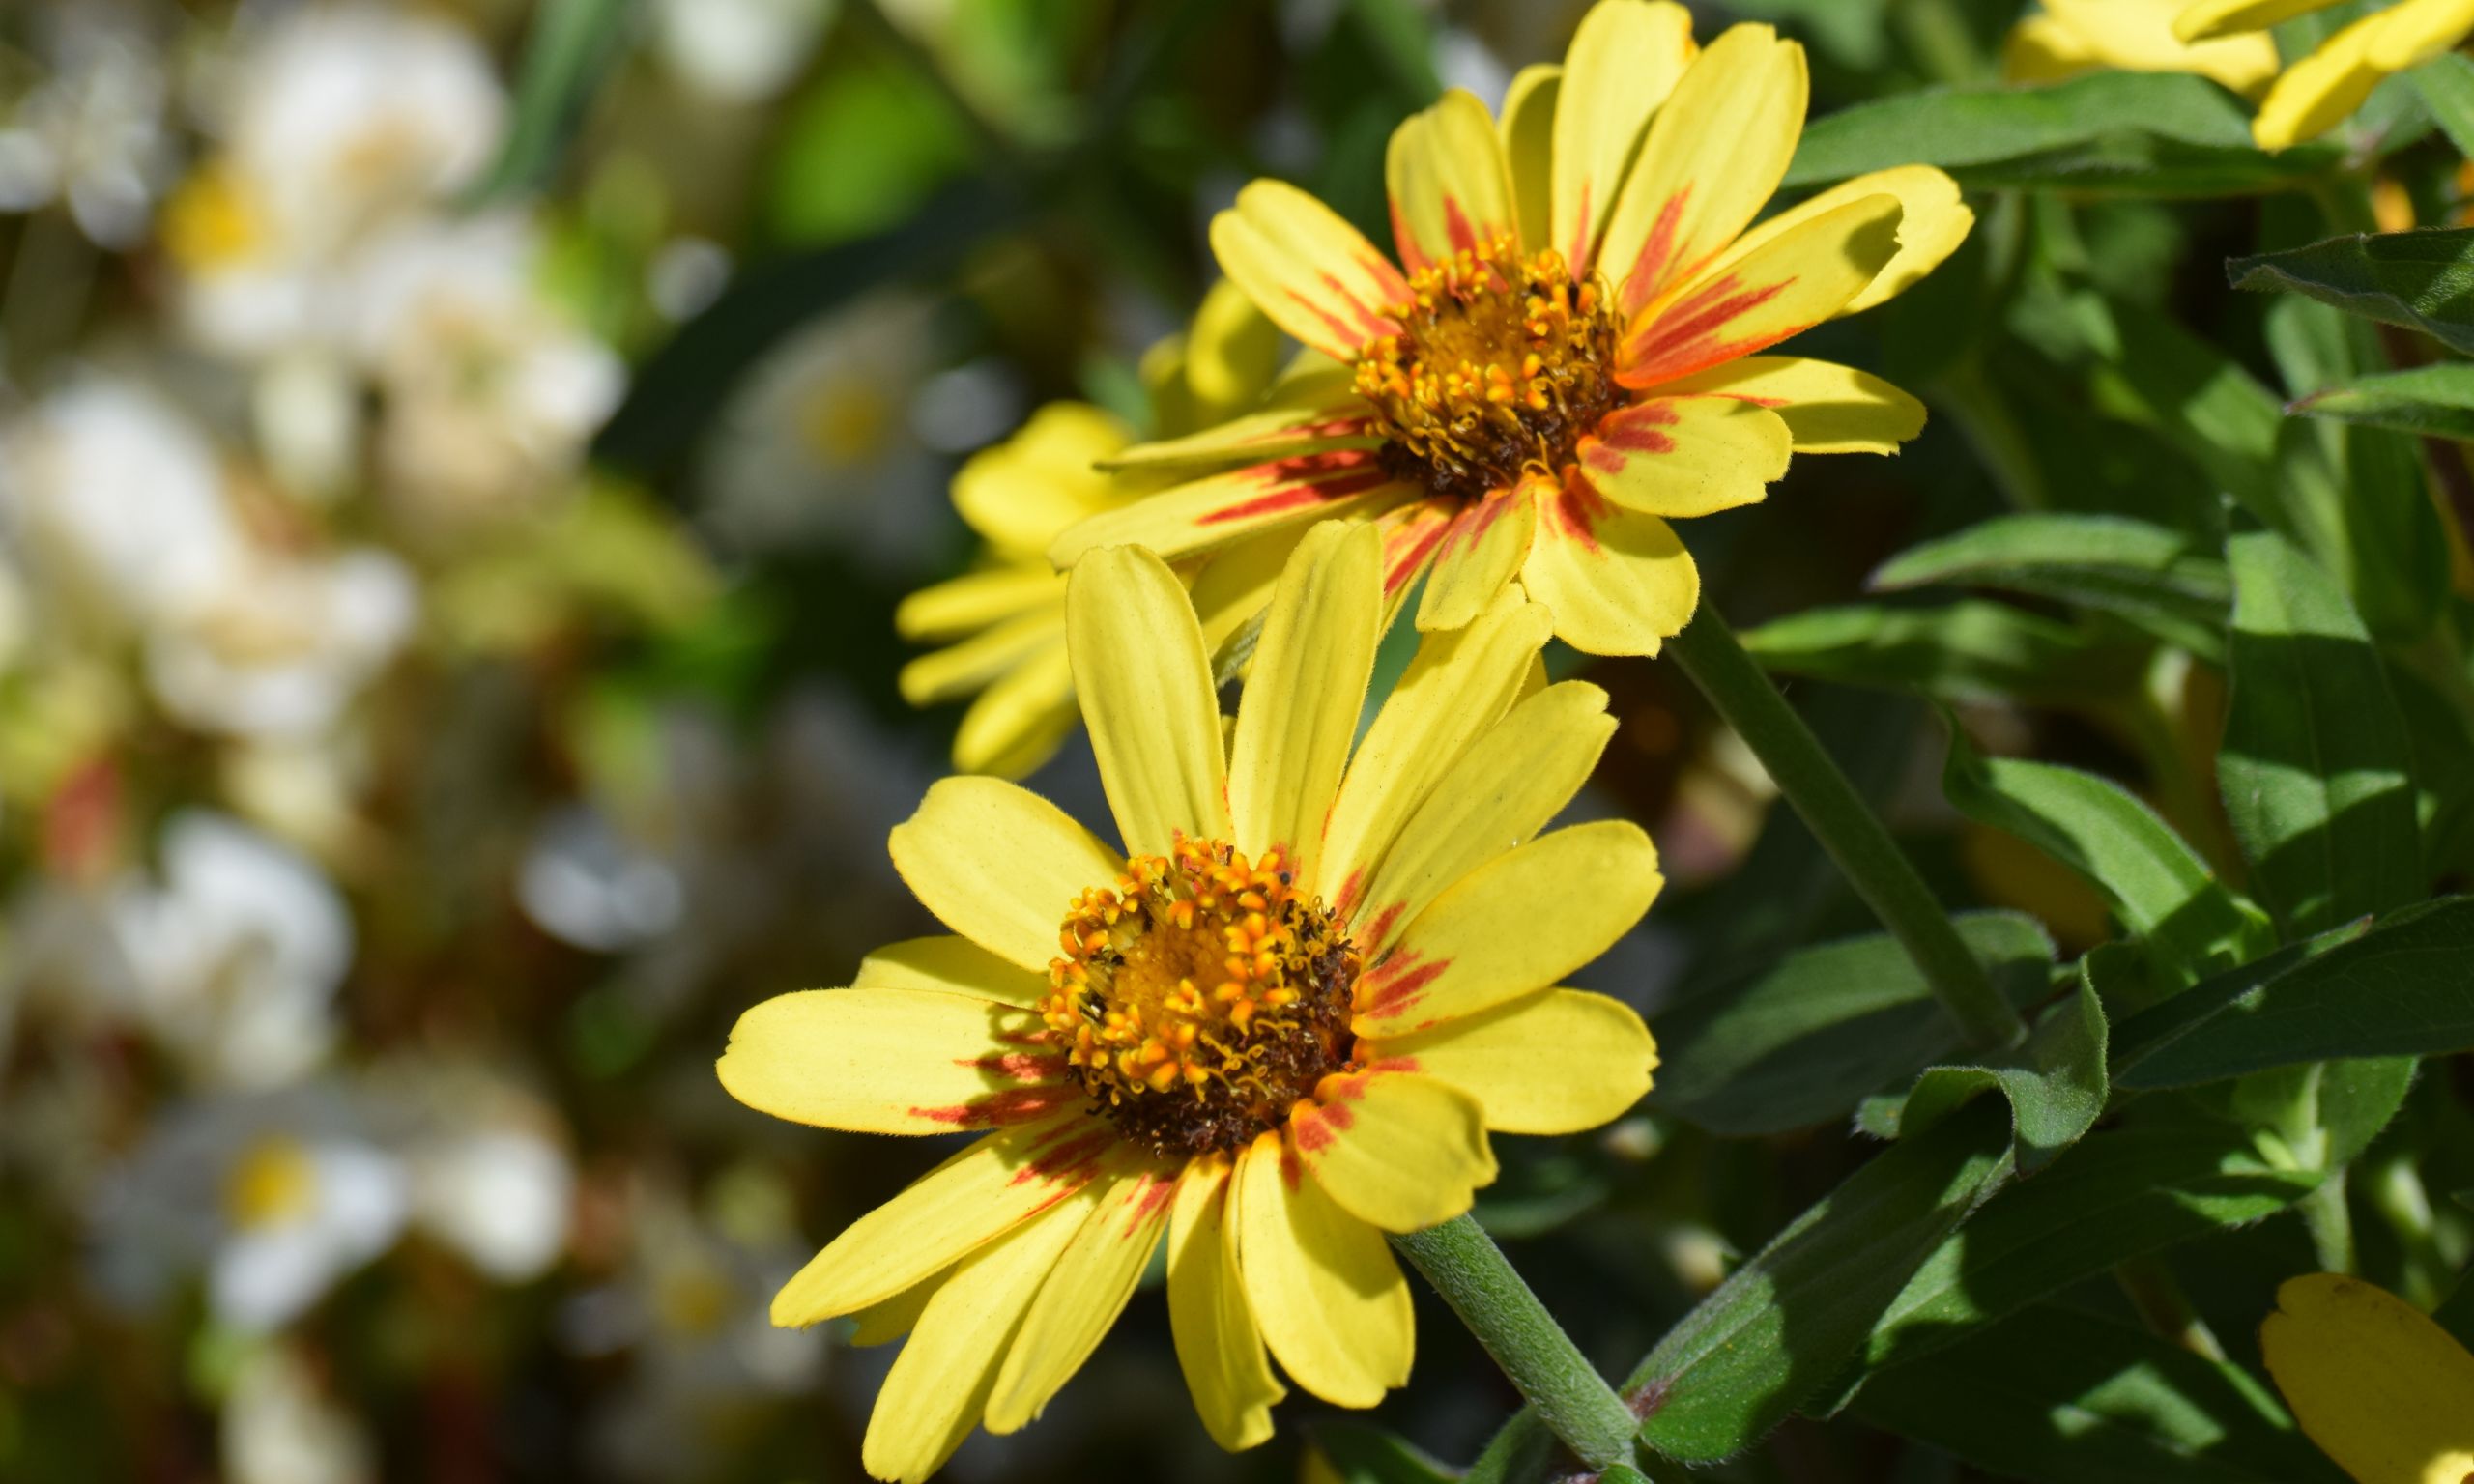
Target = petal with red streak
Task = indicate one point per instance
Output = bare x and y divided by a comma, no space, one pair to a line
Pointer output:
1313,274
1686,456
1450,190
1748,304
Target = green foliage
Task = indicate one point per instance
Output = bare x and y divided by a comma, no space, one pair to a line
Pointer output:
2437,400
2419,280
2161,580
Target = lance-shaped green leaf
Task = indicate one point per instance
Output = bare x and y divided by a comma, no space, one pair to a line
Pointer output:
2160,579
2446,85
1802,1042
2405,988
2421,280
2437,400
2158,885
2314,763
2054,1080
2059,1396
1783,1323
2115,134
1968,650
1357,1453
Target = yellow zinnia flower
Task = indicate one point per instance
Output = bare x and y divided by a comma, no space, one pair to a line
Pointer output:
2318,93
1003,622
2385,1393
1282,1023
1566,361
2064,39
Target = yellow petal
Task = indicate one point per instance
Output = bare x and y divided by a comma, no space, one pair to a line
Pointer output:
1559,1061
949,965
2383,1391
1528,128
1235,586
1321,411
1456,686
1314,274
1144,678
1303,697
1505,788
1623,61
1933,221
1216,511
1513,926
1397,1150
1828,408
1016,723
999,864
895,1061
1412,533
977,599
1218,1347
2072,36
962,669
1480,550
979,1194
2205,18
1450,190
1681,456
2318,93
2416,31
1330,1301
1086,1289
940,1383
1232,352
880,1323
1715,154
1021,493
1617,582
1776,288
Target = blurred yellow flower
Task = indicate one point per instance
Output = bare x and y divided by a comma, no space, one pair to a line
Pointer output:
2318,93
2384,1392
1282,1023
1564,359
2065,38
1003,622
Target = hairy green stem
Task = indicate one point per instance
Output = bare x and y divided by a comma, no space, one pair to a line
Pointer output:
1472,1275
1844,824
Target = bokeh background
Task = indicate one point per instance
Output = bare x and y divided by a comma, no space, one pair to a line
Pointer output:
459,465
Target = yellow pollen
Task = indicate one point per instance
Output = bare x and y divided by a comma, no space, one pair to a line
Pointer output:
1201,996
273,1182
1502,364
210,222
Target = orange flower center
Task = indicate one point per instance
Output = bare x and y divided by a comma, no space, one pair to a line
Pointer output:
1202,997
1502,364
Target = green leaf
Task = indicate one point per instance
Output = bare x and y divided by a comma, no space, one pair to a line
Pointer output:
2054,1082
2435,399
1802,1042
567,54
2157,578
2057,1396
2405,988
2446,83
1779,1328
2420,281
1968,650
2315,761
2123,133
1359,1453
2161,890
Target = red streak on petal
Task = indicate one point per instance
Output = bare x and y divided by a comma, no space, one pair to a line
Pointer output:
1455,226
1155,1197
1691,334
1066,1161
1405,238
1411,547
1021,1066
1656,259
1347,896
1350,333
1398,982
1394,1064
1301,482
1579,254
1379,931
1575,510
1014,1105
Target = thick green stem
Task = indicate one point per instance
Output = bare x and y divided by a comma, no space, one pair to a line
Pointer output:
1472,1275
1846,826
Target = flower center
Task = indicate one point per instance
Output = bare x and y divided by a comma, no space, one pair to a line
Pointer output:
1500,365
1202,997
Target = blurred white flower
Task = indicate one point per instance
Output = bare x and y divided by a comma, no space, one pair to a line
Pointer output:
490,1174
585,883
235,953
275,1197
282,647
91,134
112,495
740,51
281,1427
489,389
337,122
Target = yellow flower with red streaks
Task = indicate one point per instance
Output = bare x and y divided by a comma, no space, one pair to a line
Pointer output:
2383,1391
1279,1022
2316,94
1566,357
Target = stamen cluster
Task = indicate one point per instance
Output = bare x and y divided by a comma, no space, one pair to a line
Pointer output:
1502,364
1202,997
